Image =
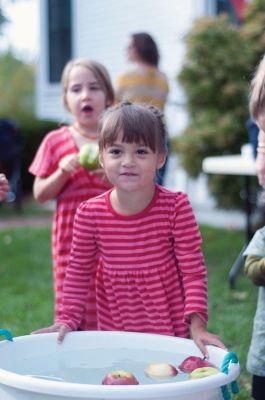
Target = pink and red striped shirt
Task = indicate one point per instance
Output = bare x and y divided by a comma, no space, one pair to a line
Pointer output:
81,185
151,275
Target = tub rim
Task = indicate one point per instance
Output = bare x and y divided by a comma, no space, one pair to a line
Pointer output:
94,391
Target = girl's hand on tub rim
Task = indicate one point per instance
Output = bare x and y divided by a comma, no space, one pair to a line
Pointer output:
60,328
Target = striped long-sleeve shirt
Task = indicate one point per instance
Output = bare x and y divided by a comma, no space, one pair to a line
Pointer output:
81,185
151,275
146,85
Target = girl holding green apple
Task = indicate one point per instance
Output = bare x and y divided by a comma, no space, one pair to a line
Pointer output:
151,276
87,92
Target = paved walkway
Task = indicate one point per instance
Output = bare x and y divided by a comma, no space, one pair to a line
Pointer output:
19,222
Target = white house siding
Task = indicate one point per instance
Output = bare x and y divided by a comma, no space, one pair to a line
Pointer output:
101,30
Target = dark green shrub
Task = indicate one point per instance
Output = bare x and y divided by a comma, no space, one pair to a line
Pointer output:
32,132
17,87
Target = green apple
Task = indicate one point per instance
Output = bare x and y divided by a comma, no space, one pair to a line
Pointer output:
203,372
160,370
88,156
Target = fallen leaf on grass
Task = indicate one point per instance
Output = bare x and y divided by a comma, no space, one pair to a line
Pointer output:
240,295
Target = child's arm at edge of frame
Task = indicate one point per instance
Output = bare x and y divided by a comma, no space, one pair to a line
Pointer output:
255,269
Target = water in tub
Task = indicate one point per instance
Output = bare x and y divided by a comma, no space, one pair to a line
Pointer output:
90,367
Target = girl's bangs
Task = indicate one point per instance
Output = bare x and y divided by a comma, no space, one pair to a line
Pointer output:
136,127
138,130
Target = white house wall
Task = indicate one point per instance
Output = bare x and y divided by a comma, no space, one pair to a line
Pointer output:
101,30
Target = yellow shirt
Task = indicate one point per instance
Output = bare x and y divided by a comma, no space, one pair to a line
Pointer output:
147,85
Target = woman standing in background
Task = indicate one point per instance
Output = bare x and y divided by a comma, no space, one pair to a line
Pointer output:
143,83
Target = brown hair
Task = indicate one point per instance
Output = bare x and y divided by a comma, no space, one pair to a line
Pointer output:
146,47
257,95
100,72
138,122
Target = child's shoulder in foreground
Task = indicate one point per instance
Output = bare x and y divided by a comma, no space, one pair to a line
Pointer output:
170,201
166,193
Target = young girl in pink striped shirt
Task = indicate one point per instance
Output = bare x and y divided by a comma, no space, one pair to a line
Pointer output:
151,276
87,92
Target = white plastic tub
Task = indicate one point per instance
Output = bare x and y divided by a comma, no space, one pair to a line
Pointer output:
75,368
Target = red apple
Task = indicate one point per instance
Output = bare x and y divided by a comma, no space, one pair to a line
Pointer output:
193,362
120,378
161,370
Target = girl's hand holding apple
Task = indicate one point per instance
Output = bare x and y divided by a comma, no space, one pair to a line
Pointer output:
69,163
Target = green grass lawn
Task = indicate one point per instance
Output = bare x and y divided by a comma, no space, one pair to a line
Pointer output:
231,312
26,293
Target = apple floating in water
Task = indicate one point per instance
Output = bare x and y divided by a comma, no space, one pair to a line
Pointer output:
203,372
88,156
161,370
120,378
193,362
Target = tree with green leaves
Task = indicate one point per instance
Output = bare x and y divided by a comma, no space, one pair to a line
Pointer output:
17,88
217,70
